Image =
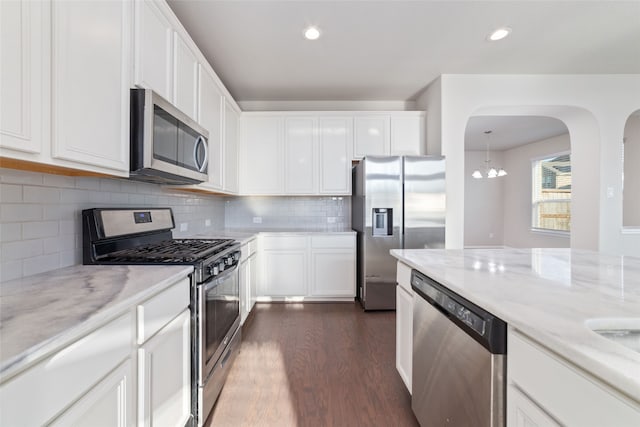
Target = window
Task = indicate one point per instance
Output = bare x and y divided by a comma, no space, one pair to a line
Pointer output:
551,204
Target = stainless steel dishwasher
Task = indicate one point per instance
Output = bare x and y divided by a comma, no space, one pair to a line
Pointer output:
459,359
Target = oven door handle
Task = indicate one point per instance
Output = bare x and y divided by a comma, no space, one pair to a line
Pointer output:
221,277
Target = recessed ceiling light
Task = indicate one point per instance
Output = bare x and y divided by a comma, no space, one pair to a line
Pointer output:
499,34
312,33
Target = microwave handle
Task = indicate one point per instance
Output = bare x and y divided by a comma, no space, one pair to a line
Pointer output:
199,141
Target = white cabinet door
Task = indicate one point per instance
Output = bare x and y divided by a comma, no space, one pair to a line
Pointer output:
404,335
91,80
262,154
333,273
153,48
164,375
299,155
285,273
371,136
108,404
185,77
24,75
210,116
522,412
407,135
230,167
335,141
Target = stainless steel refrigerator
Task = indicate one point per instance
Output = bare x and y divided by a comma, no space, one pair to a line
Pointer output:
396,202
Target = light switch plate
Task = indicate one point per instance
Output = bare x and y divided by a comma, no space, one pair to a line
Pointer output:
257,220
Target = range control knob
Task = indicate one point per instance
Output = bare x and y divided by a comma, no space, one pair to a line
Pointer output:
228,260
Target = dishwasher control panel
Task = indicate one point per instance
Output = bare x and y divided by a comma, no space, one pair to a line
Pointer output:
487,328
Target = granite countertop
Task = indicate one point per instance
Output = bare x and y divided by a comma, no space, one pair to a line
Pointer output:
550,295
42,313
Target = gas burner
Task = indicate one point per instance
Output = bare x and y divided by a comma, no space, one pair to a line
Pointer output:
172,251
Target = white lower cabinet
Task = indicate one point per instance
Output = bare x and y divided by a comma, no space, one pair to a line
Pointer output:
40,393
316,267
164,375
404,324
106,405
247,277
285,273
547,390
91,381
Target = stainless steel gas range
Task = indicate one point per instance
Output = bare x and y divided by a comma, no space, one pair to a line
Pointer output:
143,236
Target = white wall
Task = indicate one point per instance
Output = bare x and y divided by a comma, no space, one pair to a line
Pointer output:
593,107
517,195
431,102
483,201
631,191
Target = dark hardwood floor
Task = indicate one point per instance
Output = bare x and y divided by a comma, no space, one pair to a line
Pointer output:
315,365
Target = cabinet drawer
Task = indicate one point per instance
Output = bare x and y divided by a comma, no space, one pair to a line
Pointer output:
333,241
35,396
284,242
156,312
569,395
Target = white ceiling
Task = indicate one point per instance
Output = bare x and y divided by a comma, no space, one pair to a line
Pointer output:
391,50
509,131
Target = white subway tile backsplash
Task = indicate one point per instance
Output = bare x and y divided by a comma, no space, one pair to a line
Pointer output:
75,196
87,183
10,270
10,232
44,231
21,249
59,244
10,193
110,185
41,194
67,227
59,181
40,264
13,212
39,229
70,257
13,176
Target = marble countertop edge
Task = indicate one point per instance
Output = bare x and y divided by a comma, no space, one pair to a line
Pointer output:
32,355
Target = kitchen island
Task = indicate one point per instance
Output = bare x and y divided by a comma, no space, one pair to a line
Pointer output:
553,301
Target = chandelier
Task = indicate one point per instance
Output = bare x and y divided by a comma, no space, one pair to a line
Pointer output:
489,171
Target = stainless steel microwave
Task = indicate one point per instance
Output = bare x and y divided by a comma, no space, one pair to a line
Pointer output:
166,145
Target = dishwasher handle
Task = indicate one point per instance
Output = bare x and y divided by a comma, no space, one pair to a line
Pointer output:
484,327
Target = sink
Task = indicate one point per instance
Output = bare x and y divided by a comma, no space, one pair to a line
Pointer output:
624,331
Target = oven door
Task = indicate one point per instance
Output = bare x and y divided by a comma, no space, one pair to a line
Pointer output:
218,318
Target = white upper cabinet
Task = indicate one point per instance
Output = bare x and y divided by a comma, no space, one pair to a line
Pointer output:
24,75
396,134
210,108
335,142
153,41
262,155
299,152
91,68
185,80
231,124
371,136
407,135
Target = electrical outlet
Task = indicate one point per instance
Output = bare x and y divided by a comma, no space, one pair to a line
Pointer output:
207,223
257,220
331,219
609,192
184,226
